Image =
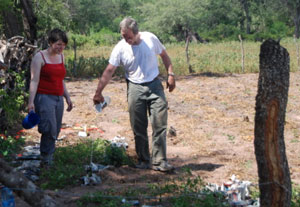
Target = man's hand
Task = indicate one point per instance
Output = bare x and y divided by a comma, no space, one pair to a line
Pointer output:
171,83
98,98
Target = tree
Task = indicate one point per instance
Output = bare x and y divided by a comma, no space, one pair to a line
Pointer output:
11,19
18,19
294,10
52,14
171,18
245,5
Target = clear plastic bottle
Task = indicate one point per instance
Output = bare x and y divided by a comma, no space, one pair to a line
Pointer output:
99,107
7,197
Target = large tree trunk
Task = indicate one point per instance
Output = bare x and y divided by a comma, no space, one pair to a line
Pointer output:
15,25
29,20
271,101
26,189
11,23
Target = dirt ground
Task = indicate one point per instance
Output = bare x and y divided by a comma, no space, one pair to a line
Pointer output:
213,116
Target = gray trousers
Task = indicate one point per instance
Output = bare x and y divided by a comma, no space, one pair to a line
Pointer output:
50,109
143,98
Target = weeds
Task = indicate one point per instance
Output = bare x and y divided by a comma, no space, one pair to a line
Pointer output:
10,145
220,57
12,101
179,193
69,162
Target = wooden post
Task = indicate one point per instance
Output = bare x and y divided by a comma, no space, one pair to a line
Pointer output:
297,52
271,101
187,53
243,55
75,58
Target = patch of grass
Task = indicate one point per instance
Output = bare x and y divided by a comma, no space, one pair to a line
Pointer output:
220,57
182,192
69,162
295,196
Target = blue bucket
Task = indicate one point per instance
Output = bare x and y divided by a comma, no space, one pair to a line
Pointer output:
31,120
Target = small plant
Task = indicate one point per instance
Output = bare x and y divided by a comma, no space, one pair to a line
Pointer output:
295,196
115,156
69,162
86,67
10,145
12,100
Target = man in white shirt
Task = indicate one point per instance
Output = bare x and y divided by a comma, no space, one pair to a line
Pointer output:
137,53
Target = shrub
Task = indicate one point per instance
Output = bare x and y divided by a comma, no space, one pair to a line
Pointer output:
86,67
12,99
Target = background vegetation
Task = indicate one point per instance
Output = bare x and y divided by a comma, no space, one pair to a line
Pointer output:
93,29
171,20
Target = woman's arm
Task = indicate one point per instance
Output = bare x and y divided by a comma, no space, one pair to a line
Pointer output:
35,71
67,97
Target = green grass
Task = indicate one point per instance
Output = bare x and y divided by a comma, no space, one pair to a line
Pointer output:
69,162
222,57
184,192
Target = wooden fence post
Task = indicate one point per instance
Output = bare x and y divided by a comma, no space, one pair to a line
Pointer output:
271,101
243,54
187,53
75,58
297,52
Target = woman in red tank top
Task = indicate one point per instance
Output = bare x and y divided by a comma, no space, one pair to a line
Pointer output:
47,90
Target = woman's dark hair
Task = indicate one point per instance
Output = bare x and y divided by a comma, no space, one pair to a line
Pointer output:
57,34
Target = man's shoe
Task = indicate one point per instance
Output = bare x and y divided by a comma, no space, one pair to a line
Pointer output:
143,165
163,167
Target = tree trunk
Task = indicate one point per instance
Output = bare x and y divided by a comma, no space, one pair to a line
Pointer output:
297,21
11,23
271,102
29,20
26,189
245,5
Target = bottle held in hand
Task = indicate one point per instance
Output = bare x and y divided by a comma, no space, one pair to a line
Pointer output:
99,107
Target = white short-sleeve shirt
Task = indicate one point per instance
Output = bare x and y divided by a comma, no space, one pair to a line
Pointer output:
140,61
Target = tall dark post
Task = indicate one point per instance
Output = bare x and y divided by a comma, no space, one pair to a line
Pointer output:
271,101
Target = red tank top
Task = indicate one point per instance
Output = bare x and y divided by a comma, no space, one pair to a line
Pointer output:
51,78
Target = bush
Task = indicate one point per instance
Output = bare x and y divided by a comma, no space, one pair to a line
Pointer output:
10,145
86,67
69,162
12,99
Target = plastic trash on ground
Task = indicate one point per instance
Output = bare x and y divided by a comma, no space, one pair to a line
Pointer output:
119,141
236,191
92,167
91,180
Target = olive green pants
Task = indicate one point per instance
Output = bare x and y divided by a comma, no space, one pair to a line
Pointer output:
143,99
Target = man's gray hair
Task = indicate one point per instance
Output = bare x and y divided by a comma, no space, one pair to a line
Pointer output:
129,23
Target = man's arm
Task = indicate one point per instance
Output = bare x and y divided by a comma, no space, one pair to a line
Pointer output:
168,65
105,78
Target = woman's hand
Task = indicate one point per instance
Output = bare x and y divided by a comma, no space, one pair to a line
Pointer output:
31,107
70,104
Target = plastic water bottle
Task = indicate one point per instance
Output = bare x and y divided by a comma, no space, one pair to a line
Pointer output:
7,197
99,107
